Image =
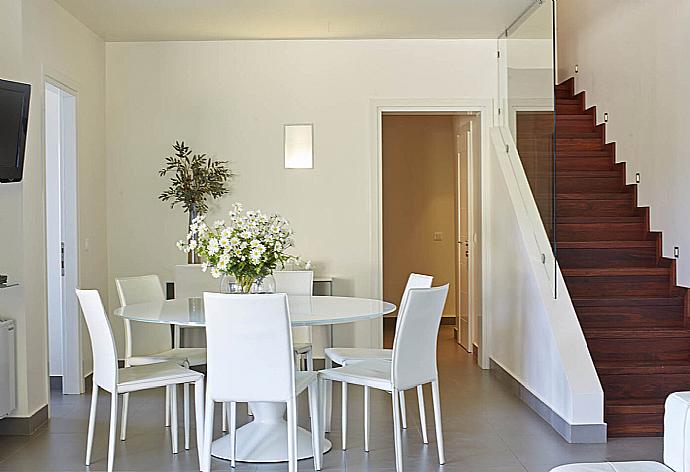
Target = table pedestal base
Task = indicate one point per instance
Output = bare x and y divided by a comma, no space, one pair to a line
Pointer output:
265,438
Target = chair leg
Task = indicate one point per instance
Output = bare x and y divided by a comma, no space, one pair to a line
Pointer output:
208,433
437,421
186,415
113,429
199,418
344,414
167,406
397,433
328,399
233,432
322,406
310,360
173,414
367,414
403,409
292,435
224,419
92,423
315,425
123,422
422,413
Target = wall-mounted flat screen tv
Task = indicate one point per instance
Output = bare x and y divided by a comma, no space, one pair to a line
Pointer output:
14,120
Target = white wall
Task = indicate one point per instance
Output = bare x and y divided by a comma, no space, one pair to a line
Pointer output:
534,337
231,99
634,65
37,37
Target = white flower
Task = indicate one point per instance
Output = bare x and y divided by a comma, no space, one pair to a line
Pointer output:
218,224
204,266
213,246
215,273
192,244
224,242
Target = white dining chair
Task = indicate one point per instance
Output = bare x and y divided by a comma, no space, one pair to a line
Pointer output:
150,343
250,358
350,355
413,364
107,376
298,282
191,281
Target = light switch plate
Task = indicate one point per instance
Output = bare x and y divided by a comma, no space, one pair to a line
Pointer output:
438,236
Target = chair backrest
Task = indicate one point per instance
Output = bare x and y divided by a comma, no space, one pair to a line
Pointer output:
415,281
414,346
191,281
142,339
102,340
249,347
296,282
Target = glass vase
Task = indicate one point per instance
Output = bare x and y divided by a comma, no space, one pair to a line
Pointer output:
234,284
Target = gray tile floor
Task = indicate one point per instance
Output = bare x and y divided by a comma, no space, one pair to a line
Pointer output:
486,430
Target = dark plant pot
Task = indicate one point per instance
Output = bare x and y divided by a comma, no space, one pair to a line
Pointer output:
192,256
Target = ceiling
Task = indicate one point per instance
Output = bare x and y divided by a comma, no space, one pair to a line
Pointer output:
175,20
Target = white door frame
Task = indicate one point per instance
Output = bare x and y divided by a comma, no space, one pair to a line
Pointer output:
471,245
72,365
485,108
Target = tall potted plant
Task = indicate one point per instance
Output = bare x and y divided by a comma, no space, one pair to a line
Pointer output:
194,179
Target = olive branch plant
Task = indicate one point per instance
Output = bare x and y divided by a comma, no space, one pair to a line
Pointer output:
195,178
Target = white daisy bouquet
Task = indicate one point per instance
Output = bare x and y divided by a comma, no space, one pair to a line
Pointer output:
249,247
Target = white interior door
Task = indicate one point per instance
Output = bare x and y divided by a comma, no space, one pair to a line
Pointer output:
463,130
64,327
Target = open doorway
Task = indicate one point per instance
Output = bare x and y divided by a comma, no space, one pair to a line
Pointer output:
431,212
60,140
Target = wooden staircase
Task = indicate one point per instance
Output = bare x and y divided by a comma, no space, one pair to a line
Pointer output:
634,317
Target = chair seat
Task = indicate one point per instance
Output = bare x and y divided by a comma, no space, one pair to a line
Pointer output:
193,355
614,467
303,379
372,373
349,355
154,375
301,348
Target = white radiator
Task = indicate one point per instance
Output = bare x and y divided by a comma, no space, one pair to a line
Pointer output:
8,395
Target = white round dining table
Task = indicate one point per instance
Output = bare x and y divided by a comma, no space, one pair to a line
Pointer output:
265,438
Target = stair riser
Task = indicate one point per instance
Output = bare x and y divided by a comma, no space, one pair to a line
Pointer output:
620,387
563,93
567,126
629,320
632,425
610,257
565,184
618,286
622,207
584,163
601,232
568,109
640,350
572,144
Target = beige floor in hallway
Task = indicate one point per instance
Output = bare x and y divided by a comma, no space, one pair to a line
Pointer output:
486,430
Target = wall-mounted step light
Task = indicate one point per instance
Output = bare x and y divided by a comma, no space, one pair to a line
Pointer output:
676,252
577,68
299,146
637,178
606,117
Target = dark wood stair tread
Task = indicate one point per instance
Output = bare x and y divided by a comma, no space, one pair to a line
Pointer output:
611,368
594,196
637,333
644,301
642,243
